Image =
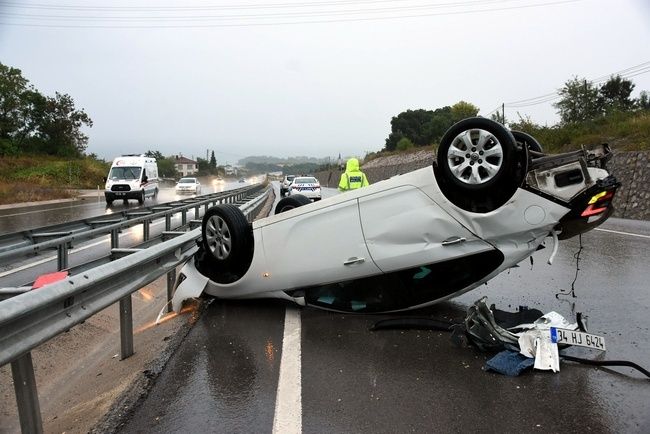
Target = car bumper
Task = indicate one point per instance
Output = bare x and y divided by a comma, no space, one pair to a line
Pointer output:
590,208
312,194
115,195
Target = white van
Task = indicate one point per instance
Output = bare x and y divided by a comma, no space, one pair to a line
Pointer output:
132,176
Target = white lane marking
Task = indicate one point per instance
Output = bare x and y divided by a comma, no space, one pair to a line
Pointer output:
288,401
71,252
623,233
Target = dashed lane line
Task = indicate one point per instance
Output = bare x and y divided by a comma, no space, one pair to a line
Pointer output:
288,401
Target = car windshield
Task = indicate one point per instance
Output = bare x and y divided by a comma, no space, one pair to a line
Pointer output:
125,173
187,181
306,180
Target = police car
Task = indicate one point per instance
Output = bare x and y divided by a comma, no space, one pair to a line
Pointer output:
308,186
488,202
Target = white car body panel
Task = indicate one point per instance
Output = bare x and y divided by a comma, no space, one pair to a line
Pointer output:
392,225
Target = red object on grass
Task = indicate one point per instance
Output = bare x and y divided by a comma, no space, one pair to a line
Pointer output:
48,278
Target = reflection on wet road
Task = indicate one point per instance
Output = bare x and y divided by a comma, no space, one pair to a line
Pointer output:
224,376
19,218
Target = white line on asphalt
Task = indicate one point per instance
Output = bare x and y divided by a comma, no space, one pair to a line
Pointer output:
288,401
623,233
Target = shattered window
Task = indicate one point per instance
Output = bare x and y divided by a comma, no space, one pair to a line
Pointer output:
402,289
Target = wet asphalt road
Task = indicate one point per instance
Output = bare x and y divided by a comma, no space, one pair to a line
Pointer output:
225,376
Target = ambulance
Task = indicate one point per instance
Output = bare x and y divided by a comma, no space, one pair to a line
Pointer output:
132,176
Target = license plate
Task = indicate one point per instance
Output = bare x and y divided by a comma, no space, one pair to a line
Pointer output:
574,337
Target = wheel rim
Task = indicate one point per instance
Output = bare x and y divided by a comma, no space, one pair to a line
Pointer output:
218,237
475,156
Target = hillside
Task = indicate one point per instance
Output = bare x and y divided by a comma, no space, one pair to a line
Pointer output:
38,177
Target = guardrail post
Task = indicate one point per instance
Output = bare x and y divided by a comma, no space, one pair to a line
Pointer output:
197,211
62,256
171,279
207,206
145,230
184,217
126,327
168,222
29,410
115,238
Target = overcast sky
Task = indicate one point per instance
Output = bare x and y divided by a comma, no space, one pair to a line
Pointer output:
308,77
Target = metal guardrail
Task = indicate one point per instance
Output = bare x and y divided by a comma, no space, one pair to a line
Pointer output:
30,319
62,236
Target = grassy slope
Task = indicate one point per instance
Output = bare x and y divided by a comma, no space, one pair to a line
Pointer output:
38,177
624,132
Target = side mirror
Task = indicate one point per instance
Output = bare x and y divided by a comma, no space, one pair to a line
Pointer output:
104,178
145,178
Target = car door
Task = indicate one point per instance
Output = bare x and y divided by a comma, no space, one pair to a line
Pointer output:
404,228
314,245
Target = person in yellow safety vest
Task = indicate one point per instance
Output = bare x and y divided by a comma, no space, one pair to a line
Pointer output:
352,178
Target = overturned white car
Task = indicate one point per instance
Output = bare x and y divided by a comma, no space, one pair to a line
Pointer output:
488,202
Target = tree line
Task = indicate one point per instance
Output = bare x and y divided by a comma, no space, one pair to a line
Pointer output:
33,123
580,101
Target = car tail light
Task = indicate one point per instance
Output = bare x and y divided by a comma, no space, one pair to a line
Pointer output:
598,203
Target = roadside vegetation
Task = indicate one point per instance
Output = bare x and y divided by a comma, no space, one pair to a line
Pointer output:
30,178
589,113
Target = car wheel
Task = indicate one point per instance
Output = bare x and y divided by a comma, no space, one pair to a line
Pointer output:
479,165
109,202
526,139
291,202
476,153
141,198
227,238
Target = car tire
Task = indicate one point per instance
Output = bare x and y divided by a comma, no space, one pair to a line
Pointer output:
227,238
141,197
526,139
506,173
476,154
291,202
109,202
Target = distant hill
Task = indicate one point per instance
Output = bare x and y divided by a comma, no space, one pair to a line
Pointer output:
290,165
264,159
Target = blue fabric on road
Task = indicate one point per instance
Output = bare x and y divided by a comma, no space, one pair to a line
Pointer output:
509,363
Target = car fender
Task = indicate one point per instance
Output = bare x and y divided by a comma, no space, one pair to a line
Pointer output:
191,284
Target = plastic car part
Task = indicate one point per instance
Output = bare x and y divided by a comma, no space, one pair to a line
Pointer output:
526,139
227,240
291,202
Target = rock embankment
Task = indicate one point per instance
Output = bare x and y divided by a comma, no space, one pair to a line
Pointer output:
631,168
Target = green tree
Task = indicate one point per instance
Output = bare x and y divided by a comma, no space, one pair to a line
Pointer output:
32,122
615,95
404,144
213,160
59,128
462,110
643,102
580,101
166,166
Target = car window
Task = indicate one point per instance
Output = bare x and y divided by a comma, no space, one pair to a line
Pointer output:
187,181
404,288
308,180
125,173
